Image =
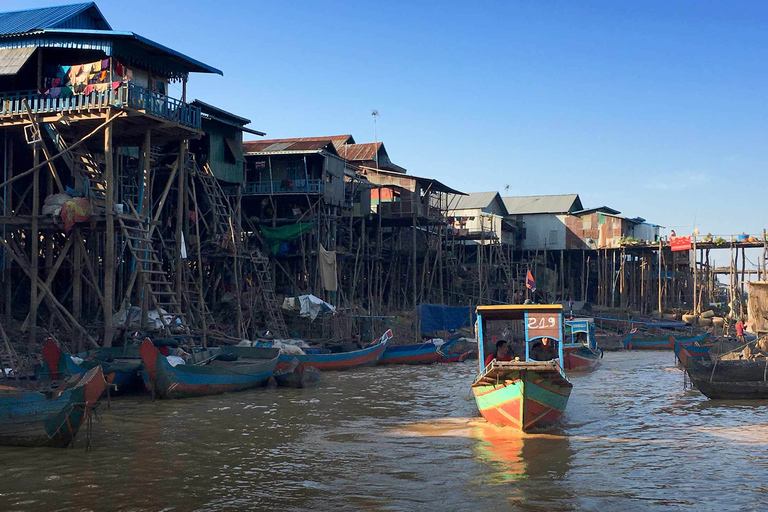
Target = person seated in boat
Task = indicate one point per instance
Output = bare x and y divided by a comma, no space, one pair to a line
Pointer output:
501,353
543,351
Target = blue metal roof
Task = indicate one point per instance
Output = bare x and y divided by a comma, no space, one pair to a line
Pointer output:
75,16
111,42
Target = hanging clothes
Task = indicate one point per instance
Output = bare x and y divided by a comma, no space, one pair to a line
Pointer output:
326,262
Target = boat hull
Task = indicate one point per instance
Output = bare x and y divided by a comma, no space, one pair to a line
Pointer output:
580,358
455,358
184,381
335,362
30,419
525,399
300,377
660,343
735,380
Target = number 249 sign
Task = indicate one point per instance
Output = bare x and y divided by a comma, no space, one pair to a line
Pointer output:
543,324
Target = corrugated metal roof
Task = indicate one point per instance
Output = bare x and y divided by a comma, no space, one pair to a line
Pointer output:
563,203
15,22
360,152
472,201
274,146
11,60
338,140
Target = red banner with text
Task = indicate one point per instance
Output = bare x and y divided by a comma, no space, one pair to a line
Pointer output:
680,243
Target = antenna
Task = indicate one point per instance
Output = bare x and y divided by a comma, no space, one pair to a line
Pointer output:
506,189
375,114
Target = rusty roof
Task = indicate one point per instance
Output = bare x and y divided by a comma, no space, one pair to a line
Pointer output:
361,152
288,146
337,140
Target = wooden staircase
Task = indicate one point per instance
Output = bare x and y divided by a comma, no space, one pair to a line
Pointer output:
220,209
262,278
504,262
84,167
136,231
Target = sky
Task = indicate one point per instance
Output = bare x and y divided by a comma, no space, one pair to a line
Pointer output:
654,108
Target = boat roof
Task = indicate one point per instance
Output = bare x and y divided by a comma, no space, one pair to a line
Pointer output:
515,311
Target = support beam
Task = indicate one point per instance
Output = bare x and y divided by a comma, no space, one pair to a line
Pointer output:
109,237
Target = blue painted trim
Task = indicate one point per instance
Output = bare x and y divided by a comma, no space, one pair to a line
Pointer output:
480,342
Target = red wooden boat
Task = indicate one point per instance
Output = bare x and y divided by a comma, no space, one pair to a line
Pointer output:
582,352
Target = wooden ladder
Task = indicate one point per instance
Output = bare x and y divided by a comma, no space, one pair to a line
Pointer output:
508,273
163,297
263,279
220,209
84,168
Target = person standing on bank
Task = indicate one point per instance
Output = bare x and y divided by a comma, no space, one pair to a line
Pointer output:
501,353
740,331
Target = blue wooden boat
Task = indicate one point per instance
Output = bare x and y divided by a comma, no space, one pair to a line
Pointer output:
208,372
326,359
422,353
120,365
660,343
51,417
582,353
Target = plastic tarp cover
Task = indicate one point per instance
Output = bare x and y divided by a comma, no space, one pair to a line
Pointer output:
277,235
445,318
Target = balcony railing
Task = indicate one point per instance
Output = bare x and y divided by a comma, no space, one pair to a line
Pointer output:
127,95
252,188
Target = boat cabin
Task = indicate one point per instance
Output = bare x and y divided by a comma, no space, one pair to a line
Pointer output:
524,328
581,332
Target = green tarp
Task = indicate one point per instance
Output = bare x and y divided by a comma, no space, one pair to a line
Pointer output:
278,235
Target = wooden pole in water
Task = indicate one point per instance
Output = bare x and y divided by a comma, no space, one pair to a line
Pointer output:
695,278
660,250
109,242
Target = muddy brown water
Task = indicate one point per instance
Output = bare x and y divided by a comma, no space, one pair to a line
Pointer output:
410,438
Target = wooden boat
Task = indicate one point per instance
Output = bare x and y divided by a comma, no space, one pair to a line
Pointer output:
455,358
689,349
208,374
326,359
51,417
526,393
298,376
423,353
735,379
660,343
120,365
581,354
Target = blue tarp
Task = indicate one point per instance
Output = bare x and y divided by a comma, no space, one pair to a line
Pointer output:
445,318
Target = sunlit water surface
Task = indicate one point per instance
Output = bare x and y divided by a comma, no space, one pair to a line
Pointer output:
410,438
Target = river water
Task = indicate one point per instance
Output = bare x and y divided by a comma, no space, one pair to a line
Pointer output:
410,438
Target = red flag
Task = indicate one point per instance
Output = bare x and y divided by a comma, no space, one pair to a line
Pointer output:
529,282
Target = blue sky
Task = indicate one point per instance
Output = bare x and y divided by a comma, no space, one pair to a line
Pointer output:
654,108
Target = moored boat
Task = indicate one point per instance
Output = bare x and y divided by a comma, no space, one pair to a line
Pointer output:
120,365
525,393
422,353
660,343
325,359
582,353
297,376
49,417
207,372
455,358
732,379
